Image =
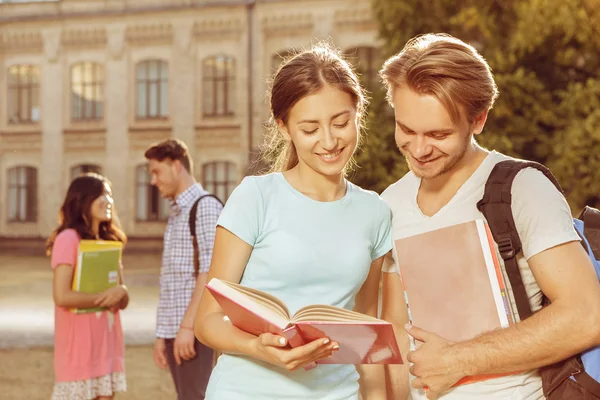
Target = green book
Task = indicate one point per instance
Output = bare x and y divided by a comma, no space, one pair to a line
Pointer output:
98,263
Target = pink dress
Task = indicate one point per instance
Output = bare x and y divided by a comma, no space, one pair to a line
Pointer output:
88,348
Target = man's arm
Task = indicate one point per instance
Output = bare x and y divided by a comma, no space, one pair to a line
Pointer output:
206,225
569,325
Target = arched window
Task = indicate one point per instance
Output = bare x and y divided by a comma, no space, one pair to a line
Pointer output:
219,178
23,103
219,86
150,206
22,194
83,168
152,85
87,91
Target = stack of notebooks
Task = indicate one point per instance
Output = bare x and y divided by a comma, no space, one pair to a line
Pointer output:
454,285
97,268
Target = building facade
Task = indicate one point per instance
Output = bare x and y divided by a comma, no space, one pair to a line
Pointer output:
88,85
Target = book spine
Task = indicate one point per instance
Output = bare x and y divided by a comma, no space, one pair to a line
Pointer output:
77,277
495,274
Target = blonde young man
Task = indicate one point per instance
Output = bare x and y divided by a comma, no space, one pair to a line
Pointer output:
441,90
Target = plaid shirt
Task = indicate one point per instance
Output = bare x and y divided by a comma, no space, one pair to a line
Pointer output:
177,281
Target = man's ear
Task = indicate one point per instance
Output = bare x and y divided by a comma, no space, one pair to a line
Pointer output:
177,167
479,123
283,129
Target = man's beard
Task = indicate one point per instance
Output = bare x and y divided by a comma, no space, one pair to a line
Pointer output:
449,164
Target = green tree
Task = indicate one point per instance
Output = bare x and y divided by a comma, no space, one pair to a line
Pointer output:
545,55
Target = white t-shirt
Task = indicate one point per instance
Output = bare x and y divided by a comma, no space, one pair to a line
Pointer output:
543,220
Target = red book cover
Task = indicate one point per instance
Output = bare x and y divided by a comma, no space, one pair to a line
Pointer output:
362,339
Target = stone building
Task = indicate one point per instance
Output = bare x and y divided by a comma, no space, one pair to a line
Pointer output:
87,85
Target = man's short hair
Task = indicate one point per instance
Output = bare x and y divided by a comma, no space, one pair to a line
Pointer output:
444,67
170,149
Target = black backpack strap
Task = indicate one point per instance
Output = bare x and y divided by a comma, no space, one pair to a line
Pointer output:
496,207
192,224
591,228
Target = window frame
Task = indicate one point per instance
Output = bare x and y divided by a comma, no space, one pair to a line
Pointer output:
212,184
216,78
29,190
153,198
147,82
31,88
97,87
85,168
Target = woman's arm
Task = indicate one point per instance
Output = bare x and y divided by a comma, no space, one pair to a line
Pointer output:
230,256
64,296
124,302
372,378
394,310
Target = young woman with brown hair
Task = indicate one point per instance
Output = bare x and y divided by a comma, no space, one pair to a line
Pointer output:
302,233
88,348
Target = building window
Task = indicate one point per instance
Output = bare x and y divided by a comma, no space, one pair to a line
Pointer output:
366,61
219,86
22,194
23,94
84,168
87,95
150,205
219,178
152,89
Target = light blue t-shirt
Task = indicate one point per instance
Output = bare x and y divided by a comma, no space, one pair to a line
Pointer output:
305,252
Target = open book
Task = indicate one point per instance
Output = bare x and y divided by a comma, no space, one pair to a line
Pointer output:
98,263
363,339
453,282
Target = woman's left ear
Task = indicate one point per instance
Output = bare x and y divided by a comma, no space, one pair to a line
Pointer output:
283,130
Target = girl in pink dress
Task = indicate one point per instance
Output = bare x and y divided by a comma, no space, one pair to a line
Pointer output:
88,348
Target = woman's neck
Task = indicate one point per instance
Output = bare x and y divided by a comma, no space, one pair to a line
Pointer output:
96,229
317,186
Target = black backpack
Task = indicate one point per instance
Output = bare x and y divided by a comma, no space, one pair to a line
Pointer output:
566,379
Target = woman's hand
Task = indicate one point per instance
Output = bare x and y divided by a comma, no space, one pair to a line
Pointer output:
273,349
111,297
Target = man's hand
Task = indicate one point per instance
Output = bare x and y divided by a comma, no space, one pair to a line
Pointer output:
434,363
183,347
160,353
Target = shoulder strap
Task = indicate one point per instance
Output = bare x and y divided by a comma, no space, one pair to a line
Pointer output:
496,207
192,224
591,228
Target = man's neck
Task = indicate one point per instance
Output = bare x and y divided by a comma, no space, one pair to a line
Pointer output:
459,174
184,184
435,193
